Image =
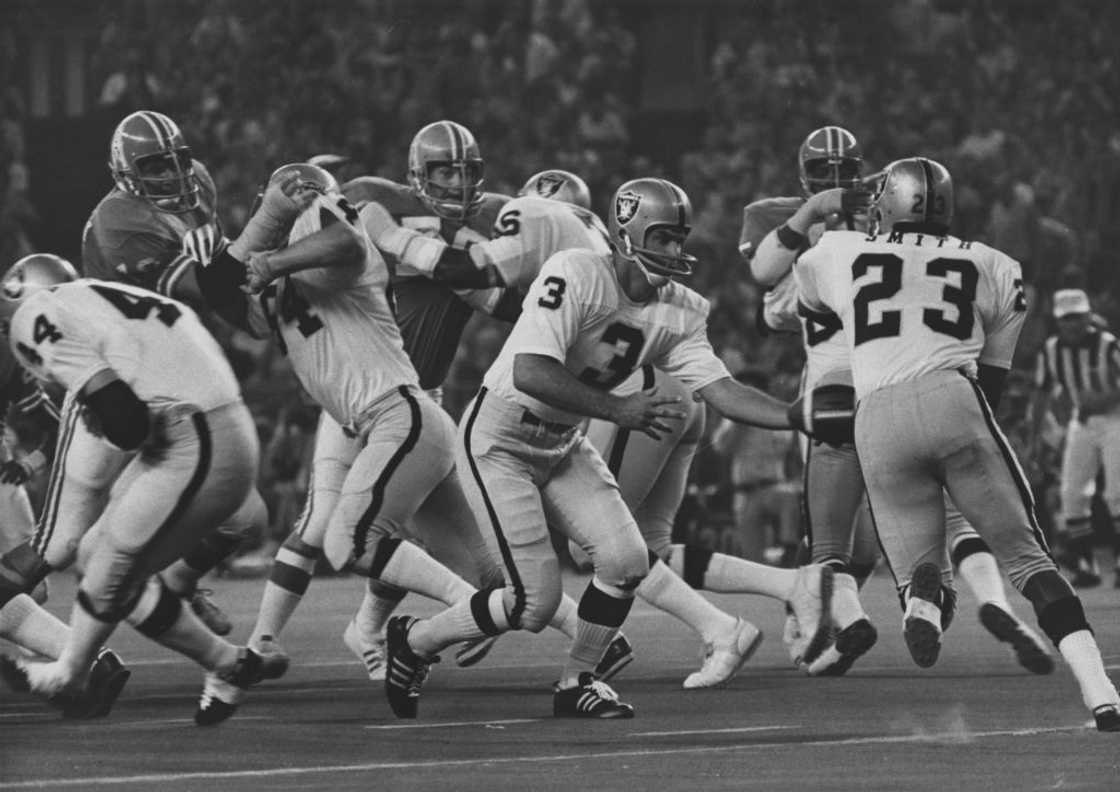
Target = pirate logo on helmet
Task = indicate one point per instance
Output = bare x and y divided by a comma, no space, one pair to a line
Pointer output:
626,206
549,184
13,286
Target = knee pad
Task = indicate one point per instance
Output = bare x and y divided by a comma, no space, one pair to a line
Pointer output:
626,570
156,609
111,605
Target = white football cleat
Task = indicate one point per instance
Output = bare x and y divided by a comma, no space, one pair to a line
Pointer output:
854,632
725,656
371,653
811,603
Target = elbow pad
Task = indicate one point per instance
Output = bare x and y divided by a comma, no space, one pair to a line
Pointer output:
118,414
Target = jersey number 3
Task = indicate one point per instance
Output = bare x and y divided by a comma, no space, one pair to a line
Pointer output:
621,366
889,324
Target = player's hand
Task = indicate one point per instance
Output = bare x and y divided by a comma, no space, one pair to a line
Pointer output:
258,273
839,200
285,199
16,472
649,413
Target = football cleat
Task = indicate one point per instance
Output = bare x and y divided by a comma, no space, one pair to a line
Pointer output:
922,622
107,679
811,603
406,671
211,615
223,691
371,653
589,699
1029,649
854,634
474,651
619,654
274,660
1107,718
93,699
725,656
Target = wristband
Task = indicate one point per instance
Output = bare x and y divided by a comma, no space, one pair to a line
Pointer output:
790,239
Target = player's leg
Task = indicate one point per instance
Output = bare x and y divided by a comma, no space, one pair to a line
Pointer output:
987,484
17,526
582,500
1110,456
895,441
297,557
975,564
1080,465
183,575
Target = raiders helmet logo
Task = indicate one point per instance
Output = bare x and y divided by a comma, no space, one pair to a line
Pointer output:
626,206
549,184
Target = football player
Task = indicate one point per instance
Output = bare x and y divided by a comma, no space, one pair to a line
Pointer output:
189,450
146,232
841,533
932,322
323,296
589,320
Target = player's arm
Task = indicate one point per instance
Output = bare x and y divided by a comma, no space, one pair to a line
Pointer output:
780,248
459,268
746,405
338,245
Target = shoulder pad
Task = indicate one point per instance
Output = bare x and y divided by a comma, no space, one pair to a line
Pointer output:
398,199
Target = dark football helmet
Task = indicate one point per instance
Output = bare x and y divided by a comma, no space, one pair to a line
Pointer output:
638,207
830,157
914,190
448,144
29,275
149,159
558,185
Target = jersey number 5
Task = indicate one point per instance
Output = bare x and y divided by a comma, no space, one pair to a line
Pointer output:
890,322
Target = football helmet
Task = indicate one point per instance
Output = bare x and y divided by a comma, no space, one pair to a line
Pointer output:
448,144
311,177
149,159
28,275
640,206
913,190
558,185
829,157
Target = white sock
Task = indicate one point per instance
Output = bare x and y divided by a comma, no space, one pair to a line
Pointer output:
566,617
279,602
729,574
982,575
412,569
1084,657
26,624
429,637
374,612
587,650
667,591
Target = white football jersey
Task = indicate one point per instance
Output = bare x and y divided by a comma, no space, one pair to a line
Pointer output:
912,303
154,344
530,229
576,313
336,323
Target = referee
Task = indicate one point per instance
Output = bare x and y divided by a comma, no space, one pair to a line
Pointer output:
1083,361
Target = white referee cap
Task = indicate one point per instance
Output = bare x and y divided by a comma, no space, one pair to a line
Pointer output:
1070,301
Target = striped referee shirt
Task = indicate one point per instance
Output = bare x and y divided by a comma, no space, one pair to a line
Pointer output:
1091,365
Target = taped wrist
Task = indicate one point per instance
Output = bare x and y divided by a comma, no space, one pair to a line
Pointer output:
411,248
792,240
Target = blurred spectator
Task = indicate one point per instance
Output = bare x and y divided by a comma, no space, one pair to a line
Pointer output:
133,86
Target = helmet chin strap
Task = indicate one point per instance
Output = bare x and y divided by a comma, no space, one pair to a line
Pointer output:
654,280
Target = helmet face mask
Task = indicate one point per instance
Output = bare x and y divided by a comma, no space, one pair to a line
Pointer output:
914,190
829,157
446,169
558,185
149,159
27,276
311,177
639,209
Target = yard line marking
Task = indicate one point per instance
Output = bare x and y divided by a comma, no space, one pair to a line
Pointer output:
162,778
734,730
453,724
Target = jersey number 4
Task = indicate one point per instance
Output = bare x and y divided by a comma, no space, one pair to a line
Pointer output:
889,324
135,306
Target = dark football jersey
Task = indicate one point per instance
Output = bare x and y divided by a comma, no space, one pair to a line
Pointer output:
431,316
130,240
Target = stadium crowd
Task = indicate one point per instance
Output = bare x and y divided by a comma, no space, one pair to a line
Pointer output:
986,88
